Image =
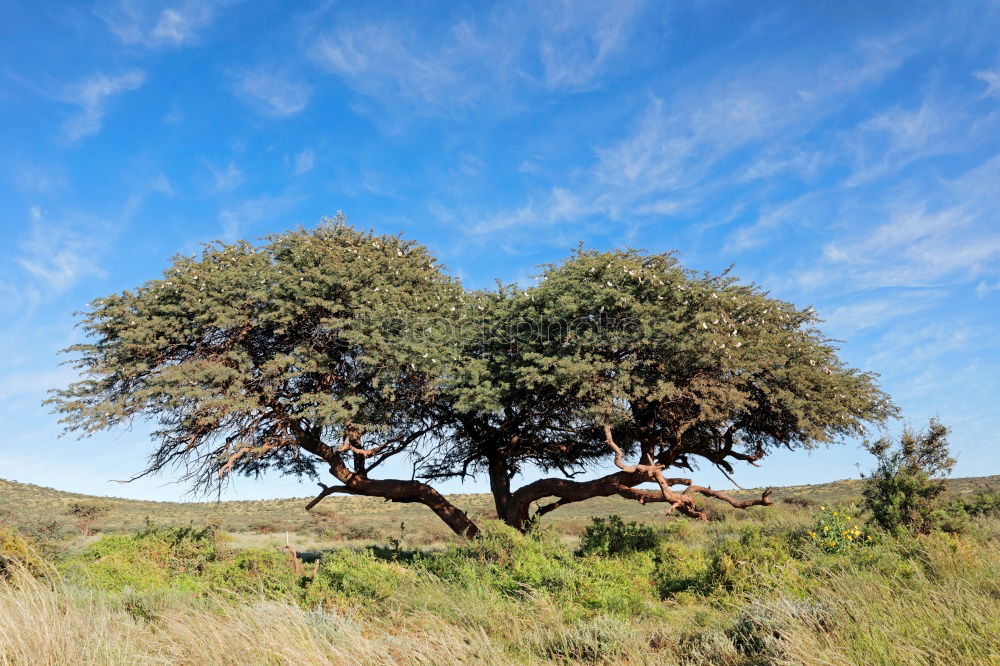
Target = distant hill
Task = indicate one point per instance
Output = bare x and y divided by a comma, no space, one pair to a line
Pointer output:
365,517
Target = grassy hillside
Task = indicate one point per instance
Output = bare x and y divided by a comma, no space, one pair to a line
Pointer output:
368,519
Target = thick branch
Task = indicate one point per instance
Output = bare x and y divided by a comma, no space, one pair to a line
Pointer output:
393,490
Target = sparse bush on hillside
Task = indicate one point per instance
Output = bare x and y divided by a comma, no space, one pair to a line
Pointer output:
86,515
796,500
983,503
612,536
904,490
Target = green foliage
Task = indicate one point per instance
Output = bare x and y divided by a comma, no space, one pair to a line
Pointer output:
646,343
254,573
520,566
903,491
612,536
680,569
837,531
756,560
155,558
981,504
346,576
18,552
232,352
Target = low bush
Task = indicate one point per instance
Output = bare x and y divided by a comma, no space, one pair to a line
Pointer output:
754,561
680,569
254,573
523,566
356,577
155,558
17,552
837,530
612,536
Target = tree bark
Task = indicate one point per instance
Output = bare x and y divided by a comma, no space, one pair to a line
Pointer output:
499,485
622,484
392,490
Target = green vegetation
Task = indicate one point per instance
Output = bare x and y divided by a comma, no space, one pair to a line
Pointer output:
754,588
903,490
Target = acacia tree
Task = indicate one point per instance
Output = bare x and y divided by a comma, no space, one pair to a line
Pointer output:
342,349
623,355
316,349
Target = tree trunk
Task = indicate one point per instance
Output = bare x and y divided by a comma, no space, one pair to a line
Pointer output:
499,486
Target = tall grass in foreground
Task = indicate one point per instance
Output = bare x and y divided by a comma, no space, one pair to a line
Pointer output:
52,623
728,593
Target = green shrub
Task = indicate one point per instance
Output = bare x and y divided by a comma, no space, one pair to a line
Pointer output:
612,536
521,566
752,562
837,531
904,490
357,577
154,558
17,551
254,572
679,569
981,504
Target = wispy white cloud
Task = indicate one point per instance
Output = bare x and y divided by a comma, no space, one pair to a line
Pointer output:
678,153
151,24
58,254
992,80
983,289
272,93
238,218
873,312
92,97
304,161
893,139
496,62
942,231
36,179
577,40
226,177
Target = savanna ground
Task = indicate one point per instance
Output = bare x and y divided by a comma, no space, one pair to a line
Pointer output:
803,582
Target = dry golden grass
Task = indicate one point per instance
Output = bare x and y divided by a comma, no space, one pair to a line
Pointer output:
53,623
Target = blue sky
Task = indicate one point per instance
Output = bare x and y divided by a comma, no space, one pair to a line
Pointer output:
842,154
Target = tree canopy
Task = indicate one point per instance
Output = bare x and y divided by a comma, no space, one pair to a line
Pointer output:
339,348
